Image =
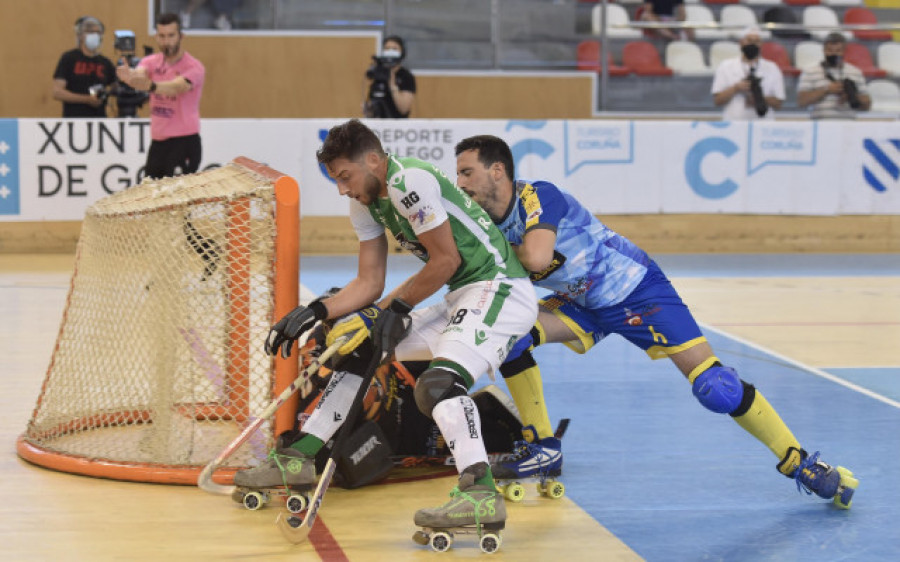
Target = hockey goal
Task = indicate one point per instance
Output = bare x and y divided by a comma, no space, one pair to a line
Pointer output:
159,361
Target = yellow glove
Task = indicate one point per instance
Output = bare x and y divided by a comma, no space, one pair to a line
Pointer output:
356,326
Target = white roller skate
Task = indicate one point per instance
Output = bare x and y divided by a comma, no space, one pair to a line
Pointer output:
533,460
473,509
287,473
817,477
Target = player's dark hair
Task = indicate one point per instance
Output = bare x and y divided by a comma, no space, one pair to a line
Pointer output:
350,140
490,149
167,18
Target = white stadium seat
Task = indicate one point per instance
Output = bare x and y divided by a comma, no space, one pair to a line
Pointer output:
698,13
721,50
738,18
807,54
616,15
822,16
888,57
686,58
885,96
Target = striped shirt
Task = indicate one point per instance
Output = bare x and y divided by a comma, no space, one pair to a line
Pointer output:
831,106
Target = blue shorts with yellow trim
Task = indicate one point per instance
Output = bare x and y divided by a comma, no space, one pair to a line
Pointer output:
653,317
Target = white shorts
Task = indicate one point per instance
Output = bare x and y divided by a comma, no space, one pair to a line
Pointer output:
475,326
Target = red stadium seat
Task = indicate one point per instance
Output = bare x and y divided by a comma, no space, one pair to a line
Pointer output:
866,16
776,53
588,58
800,2
643,59
859,56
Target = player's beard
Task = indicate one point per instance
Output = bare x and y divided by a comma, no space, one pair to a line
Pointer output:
371,188
170,51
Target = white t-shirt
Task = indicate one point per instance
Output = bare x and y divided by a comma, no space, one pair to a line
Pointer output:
740,107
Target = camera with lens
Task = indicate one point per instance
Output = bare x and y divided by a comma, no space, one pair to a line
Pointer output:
852,93
380,71
380,75
128,100
100,92
759,100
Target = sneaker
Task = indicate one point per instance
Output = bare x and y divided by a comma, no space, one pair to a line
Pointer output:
540,458
285,467
816,477
470,504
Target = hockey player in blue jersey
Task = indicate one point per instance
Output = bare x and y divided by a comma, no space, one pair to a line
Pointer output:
602,284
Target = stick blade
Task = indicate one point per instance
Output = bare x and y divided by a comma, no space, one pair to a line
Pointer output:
293,535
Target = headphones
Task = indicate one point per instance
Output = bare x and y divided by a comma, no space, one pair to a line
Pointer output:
84,20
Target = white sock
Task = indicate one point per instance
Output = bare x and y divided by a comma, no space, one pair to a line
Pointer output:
460,424
332,409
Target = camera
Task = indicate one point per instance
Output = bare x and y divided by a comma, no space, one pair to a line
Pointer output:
380,75
128,100
759,100
852,93
100,92
380,71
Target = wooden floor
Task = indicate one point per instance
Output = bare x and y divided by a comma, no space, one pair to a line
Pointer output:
821,321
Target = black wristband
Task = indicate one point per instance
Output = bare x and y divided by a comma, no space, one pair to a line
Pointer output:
152,86
319,309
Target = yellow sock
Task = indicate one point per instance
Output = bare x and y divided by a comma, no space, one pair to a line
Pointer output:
528,394
764,423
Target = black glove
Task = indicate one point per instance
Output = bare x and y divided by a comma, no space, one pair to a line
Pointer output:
392,326
294,324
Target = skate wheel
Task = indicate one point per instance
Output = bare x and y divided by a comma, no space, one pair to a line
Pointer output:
553,490
514,492
297,503
294,522
254,500
490,543
844,497
420,537
441,541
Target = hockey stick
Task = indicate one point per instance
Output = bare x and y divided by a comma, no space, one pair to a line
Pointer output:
295,530
204,481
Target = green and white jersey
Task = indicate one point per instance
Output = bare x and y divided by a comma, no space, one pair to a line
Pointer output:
420,198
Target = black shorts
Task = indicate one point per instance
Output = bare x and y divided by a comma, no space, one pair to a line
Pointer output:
174,156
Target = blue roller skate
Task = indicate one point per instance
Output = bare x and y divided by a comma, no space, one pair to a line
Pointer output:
816,477
532,460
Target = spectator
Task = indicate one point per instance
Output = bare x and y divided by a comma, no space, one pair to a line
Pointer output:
222,9
175,81
834,89
392,88
81,69
733,84
667,11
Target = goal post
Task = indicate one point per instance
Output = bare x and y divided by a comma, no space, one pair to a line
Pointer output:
159,360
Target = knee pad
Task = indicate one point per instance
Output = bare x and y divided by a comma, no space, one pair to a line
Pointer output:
719,389
435,385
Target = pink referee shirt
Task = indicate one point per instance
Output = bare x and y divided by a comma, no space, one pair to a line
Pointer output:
177,116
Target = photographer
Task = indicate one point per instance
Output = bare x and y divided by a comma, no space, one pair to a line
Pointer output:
835,89
84,70
175,81
748,86
392,88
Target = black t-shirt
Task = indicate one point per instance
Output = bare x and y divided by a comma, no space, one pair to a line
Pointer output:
80,73
665,7
405,82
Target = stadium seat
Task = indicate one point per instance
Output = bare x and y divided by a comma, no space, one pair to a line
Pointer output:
686,59
721,50
888,55
842,3
643,59
617,16
776,53
859,56
783,14
885,96
737,17
588,58
807,54
865,16
822,16
800,2
698,13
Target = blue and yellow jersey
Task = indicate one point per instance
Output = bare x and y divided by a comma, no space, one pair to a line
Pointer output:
592,265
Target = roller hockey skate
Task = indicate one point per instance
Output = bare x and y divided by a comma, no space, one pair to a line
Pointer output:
533,460
473,509
287,473
816,477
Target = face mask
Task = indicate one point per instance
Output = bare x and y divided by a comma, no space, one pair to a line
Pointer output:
391,53
92,41
751,51
833,60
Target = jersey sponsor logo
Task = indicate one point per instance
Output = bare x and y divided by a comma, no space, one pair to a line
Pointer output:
410,200
422,217
532,205
633,318
558,261
396,182
480,337
485,223
580,286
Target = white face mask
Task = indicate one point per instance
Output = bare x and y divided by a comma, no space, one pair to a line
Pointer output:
92,41
391,53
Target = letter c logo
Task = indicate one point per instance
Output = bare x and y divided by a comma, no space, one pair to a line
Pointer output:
694,161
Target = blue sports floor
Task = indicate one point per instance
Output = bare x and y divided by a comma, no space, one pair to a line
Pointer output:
676,482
